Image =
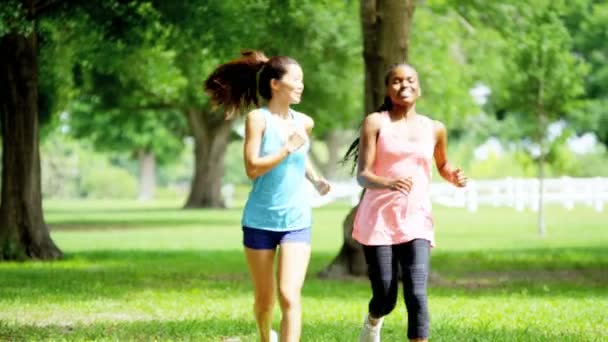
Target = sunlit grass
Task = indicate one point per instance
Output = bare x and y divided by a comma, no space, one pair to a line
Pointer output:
154,272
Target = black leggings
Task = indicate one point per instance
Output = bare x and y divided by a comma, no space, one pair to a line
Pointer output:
383,268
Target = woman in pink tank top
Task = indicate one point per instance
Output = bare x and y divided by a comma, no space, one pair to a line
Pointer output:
394,222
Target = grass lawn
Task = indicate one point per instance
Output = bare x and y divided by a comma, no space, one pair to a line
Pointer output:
153,272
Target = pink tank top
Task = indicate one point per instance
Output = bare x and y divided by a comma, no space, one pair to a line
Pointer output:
388,217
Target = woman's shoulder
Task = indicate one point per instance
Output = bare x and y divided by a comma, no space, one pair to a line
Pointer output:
375,119
429,120
438,127
255,114
305,119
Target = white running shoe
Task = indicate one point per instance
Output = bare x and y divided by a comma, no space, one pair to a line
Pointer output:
274,337
369,332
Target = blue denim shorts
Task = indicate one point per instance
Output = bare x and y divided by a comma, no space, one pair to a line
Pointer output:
269,239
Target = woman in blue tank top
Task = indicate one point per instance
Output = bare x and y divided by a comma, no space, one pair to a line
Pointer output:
275,151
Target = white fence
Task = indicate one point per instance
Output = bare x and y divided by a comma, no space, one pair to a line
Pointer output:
511,192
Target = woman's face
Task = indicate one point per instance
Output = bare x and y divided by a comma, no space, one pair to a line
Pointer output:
403,87
291,85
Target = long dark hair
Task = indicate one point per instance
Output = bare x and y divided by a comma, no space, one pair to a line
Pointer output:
235,85
353,150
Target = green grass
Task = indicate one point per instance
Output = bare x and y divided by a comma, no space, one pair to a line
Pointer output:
153,272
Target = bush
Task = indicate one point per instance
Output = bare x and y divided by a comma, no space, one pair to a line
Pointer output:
108,182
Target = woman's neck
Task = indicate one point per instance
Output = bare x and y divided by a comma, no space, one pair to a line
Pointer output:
279,108
403,112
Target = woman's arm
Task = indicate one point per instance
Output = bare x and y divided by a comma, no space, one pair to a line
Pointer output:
255,165
445,169
367,155
320,183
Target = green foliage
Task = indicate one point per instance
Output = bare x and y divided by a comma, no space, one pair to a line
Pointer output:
500,166
544,74
71,169
60,160
590,36
13,19
105,181
235,168
126,85
324,36
439,51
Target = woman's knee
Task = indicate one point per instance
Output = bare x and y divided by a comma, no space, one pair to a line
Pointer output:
264,302
289,298
416,299
384,300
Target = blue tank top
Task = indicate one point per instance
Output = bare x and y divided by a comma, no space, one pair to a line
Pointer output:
278,199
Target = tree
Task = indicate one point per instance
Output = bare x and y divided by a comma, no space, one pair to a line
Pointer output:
545,76
23,232
587,24
386,30
333,70
124,97
542,77
200,41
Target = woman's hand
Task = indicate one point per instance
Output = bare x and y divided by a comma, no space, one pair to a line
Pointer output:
294,141
322,186
401,184
458,178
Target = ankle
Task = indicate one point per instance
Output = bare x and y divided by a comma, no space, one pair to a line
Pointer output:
373,321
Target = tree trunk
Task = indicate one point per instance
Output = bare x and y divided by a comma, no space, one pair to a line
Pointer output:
334,141
386,29
23,232
147,175
211,136
541,174
350,261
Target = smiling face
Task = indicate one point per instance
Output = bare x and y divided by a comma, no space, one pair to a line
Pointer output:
402,85
290,86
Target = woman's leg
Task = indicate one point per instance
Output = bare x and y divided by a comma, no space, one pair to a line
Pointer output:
294,255
261,263
383,270
383,273
260,249
414,257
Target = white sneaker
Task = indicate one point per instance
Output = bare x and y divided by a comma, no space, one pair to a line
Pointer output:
369,332
274,337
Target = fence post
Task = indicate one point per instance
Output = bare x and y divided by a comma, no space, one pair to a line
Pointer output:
599,189
228,194
568,193
471,198
533,185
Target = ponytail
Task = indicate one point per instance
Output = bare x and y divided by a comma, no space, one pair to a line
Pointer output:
353,150
233,85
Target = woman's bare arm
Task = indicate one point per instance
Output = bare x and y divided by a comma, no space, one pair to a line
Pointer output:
446,170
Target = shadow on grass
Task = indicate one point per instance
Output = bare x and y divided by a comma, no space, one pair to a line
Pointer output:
128,218
139,223
239,330
567,272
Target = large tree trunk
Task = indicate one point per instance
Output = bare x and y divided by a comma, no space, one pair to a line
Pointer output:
23,232
386,29
350,260
334,141
211,136
147,175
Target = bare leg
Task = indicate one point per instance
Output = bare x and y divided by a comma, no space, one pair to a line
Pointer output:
293,263
261,262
